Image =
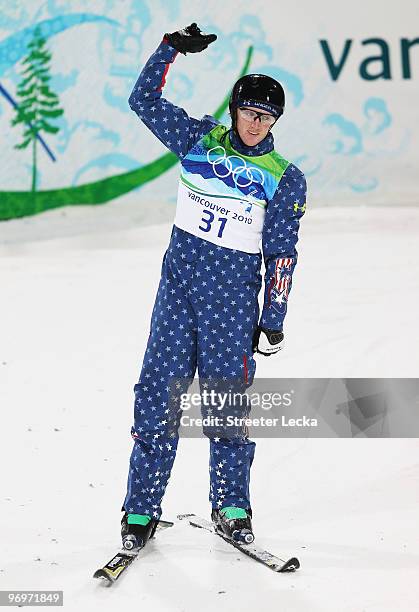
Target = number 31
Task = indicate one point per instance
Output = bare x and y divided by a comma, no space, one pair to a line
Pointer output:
209,220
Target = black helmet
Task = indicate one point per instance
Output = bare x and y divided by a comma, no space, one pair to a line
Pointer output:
260,91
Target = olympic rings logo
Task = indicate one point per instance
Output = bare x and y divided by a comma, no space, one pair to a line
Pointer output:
223,161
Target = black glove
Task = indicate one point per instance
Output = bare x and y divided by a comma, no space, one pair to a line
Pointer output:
189,40
267,341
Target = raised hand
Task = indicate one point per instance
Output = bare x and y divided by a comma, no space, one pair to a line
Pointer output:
189,40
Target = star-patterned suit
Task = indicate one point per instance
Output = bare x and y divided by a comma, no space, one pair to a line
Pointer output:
206,308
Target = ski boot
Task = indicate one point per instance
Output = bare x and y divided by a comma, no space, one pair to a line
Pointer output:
136,529
234,523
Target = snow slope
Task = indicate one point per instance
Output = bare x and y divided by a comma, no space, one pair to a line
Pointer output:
77,288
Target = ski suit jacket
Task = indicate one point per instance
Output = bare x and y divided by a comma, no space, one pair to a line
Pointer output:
229,194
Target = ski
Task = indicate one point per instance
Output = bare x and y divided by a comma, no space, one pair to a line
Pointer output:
123,559
251,550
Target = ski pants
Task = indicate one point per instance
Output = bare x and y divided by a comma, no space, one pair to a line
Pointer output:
204,316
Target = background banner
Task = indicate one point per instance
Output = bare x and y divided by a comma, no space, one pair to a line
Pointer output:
350,71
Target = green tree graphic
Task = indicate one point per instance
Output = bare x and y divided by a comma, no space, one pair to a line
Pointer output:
38,103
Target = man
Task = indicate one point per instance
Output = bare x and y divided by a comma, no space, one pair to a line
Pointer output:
234,191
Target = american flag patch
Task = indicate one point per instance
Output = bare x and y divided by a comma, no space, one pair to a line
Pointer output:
282,280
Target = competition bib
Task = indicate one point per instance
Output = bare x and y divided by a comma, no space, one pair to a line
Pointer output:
232,222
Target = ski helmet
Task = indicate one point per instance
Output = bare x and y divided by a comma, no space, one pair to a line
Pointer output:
260,91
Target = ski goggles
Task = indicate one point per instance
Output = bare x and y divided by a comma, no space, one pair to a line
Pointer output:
251,115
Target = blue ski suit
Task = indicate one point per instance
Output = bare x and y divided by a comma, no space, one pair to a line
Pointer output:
230,198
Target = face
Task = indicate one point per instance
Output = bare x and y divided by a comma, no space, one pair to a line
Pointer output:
251,132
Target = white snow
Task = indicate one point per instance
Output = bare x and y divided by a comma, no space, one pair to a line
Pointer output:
77,288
